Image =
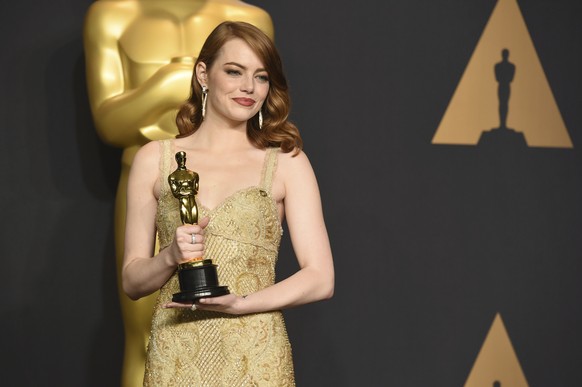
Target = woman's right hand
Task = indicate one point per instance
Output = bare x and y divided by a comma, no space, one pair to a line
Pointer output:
183,247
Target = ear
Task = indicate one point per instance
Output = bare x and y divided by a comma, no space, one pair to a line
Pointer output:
201,75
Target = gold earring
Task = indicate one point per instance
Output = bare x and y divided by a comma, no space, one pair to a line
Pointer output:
204,97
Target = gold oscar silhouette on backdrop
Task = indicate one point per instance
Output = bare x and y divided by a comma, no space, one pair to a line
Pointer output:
474,106
140,55
497,363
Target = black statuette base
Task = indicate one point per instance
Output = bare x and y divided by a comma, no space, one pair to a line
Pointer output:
197,282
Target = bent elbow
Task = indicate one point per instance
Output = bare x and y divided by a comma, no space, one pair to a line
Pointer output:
130,292
128,289
327,289
132,296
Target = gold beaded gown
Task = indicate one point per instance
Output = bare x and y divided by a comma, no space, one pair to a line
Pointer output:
207,349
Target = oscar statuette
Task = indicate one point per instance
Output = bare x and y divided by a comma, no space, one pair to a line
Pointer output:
198,277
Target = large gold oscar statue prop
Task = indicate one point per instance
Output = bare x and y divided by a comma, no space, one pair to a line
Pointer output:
140,55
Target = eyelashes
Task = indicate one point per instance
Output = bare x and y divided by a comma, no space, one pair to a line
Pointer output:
237,73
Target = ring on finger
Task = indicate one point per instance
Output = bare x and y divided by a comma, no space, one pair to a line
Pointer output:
193,239
193,307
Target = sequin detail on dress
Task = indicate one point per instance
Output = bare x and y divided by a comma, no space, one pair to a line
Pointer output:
208,349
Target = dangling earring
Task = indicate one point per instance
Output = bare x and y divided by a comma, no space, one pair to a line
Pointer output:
204,96
260,119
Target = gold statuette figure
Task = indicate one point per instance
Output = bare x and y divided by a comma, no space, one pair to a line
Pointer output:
198,277
184,186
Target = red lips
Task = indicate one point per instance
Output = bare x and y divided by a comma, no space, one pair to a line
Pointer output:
244,101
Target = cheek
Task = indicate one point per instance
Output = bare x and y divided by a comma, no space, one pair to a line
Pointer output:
264,91
223,85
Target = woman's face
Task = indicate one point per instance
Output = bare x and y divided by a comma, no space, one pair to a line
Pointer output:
237,83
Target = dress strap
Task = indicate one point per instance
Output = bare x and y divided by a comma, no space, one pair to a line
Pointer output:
166,148
269,168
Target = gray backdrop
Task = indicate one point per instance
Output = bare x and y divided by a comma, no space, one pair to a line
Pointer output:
430,242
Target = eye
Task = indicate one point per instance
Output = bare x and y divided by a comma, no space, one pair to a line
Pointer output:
233,72
263,78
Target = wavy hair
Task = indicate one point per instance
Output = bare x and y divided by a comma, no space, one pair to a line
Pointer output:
277,130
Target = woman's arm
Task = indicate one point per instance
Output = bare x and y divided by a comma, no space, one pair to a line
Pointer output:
315,279
143,274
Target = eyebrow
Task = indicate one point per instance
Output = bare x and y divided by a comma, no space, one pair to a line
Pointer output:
243,67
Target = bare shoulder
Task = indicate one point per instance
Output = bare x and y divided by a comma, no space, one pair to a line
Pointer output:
148,152
292,160
295,174
145,169
291,164
147,159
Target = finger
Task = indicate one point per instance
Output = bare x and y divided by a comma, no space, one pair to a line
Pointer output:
184,234
187,251
214,301
191,256
189,235
197,239
190,229
190,250
204,222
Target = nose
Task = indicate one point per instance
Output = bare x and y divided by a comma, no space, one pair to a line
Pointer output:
248,84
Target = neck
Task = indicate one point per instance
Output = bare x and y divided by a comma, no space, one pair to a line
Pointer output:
219,138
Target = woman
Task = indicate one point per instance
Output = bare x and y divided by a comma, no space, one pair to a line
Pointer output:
235,133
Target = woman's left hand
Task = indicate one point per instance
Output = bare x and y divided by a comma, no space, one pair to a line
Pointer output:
230,303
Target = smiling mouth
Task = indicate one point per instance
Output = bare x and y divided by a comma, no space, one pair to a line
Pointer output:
244,101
